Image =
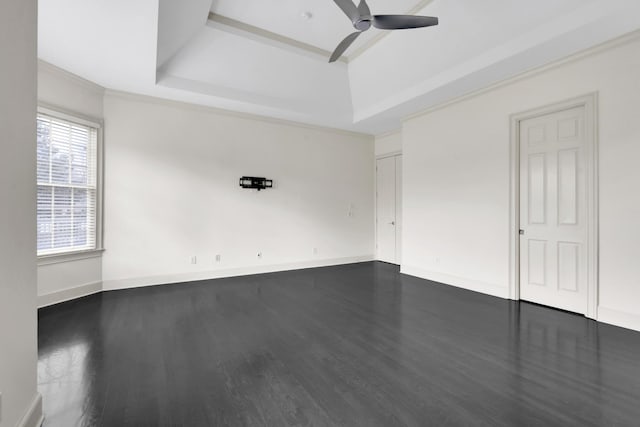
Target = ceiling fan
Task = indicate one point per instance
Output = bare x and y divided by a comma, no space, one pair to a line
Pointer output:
363,20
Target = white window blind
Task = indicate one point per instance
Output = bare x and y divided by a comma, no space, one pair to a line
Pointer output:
67,185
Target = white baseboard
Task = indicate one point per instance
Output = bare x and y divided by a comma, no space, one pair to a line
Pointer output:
34,416
69,294
137,282
458,282
619,318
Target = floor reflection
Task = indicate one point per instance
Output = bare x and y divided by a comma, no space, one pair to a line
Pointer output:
349,345
70,352
61,377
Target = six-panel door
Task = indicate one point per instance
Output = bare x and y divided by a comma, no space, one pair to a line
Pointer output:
553,209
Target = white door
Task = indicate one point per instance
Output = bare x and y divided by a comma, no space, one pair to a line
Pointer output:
398,210
553,210
388,205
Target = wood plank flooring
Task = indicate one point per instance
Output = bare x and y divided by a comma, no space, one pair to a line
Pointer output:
354,345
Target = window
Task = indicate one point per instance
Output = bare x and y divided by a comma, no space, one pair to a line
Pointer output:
67,168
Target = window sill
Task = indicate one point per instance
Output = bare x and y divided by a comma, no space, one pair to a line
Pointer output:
69,256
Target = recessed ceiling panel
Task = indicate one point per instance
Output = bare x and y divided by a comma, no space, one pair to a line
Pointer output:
325,28
227,65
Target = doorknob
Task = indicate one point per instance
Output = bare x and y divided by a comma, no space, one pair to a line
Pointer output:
522,232
392,223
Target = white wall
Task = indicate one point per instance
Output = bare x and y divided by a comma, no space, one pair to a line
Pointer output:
456,175
64,279
389,143
18,343
171,192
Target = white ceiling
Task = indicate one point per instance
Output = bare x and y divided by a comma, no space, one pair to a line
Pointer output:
227,65
171,50
327,27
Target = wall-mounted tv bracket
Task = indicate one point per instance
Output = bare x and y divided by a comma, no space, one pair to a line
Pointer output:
257,183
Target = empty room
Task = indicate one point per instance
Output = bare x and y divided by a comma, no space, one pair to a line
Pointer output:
319,213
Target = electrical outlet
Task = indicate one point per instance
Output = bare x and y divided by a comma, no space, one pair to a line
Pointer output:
218,258
315,251
260,255
194,259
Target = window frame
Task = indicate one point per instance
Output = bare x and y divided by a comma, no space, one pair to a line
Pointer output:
98,124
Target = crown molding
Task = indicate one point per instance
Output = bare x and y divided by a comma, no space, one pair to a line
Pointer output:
74,78
247,116
389,133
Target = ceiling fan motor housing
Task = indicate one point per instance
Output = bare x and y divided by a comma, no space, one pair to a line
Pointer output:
364,23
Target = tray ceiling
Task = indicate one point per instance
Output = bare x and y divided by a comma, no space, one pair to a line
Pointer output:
264,58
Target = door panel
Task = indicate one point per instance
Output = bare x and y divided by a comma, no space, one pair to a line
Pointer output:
537,262
568,255
553,180
568,187
386,209
537,189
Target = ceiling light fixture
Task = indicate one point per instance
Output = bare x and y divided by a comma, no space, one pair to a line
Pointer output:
362,20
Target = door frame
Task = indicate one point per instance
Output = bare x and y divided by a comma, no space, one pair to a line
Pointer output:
590,104
375,196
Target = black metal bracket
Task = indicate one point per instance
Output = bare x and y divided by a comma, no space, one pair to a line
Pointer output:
256,183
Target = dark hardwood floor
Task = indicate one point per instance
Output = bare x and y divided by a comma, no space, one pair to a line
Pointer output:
354,345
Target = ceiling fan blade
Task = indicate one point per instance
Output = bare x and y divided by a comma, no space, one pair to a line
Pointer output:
344,45
402,22
349,9
363,8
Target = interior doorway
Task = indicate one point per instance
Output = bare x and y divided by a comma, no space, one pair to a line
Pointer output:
555,215
389,209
